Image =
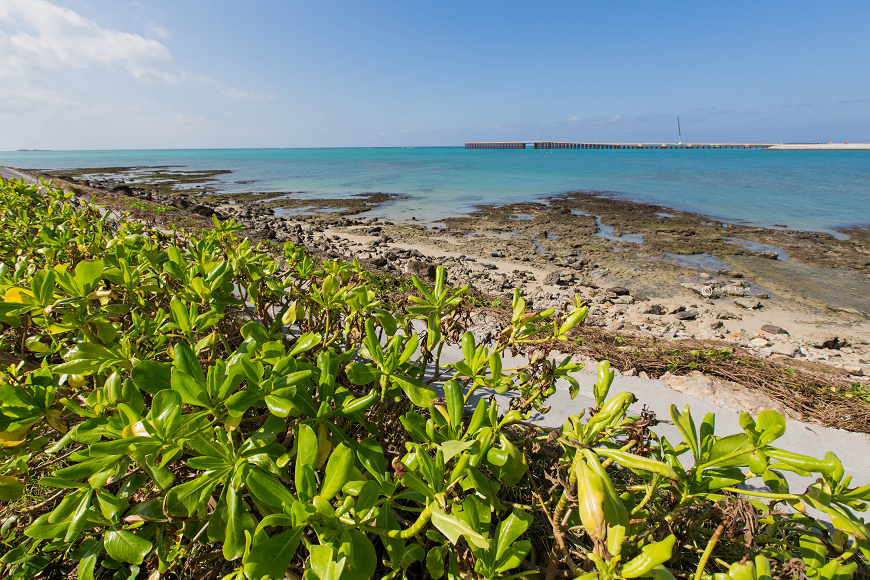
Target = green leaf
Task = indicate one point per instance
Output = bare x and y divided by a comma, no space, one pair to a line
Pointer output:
304,343
184,499
435,562
238,522
10,488
180,314
88,275
371,455
361,374
419,392
186,362
152,376
452,448
339,470
165,412
79,518
272,556
268,490
192,392
280,406
126,546
256,331
509,530
323,564
41,529
453,527
362,560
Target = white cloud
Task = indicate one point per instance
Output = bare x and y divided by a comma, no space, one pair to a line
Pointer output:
47,36
61,70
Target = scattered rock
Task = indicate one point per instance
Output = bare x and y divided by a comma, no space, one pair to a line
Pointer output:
202,210
496,254
553,278
656,309
747,303
854,370
828,341
759,343
420,269
785,349
687,315
379,261
772,329
770,255
619,290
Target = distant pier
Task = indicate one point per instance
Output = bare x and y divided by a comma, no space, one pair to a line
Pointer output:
563,145
769,146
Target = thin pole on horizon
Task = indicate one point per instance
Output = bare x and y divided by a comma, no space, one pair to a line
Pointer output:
679,132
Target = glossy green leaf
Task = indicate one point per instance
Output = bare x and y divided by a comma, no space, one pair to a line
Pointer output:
126,546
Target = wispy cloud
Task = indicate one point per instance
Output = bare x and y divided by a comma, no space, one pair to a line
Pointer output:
854,101
236,94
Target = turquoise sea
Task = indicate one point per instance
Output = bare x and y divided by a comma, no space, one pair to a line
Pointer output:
809,190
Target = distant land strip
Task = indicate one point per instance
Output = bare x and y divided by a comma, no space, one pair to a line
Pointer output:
767,146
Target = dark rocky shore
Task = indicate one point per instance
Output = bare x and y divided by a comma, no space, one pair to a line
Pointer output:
642,268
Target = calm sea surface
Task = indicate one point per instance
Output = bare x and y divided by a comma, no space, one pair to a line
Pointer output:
811,190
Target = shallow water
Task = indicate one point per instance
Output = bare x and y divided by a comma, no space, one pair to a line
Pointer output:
699,261
810,190
758,247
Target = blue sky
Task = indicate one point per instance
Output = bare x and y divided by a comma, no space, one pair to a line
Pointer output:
101,74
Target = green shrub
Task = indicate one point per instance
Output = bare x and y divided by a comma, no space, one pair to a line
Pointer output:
190,406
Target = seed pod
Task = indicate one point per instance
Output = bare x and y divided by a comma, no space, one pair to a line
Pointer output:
758,462
355,405
468,346
590,499
455,402
615,514
739,571
324,445
636,462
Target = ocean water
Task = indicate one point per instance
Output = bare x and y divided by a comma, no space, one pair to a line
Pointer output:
808,190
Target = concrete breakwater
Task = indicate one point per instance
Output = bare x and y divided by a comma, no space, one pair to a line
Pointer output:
766,146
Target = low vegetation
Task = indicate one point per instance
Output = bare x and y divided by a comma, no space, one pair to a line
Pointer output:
177,406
